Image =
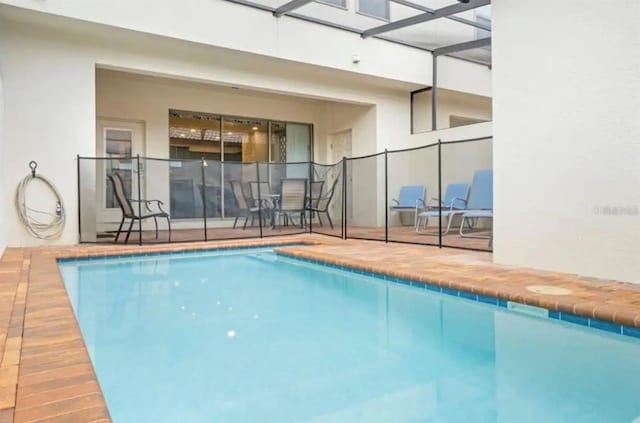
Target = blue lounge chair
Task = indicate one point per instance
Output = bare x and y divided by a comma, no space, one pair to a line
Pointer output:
479,202
455,198
411,198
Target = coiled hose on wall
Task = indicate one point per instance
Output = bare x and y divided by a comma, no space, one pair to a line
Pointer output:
36,226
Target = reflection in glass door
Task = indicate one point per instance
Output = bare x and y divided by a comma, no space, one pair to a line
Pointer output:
246,142
278,143
298,141
278,153
118,149
290,143
193,138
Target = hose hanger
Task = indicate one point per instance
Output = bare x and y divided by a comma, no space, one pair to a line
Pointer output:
34,219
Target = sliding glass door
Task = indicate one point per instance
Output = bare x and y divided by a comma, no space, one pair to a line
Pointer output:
230,146
193,139
246,142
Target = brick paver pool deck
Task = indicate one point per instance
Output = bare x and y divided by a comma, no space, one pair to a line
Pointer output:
45,371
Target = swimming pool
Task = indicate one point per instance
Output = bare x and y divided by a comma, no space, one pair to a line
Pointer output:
250,336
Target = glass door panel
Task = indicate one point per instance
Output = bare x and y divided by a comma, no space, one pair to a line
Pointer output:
298,145
245,141
231,146
278,153
193,137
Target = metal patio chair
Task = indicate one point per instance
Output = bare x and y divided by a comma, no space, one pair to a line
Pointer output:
479,202
323,203
244,208
411,198
315,193
128,211
293,200
260,191
455,198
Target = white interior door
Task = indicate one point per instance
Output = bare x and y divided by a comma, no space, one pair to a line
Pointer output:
117,143
341,147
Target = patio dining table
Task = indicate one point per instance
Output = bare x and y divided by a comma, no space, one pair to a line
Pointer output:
274,199
269,203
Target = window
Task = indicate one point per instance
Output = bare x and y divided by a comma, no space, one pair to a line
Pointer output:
374,8
337,3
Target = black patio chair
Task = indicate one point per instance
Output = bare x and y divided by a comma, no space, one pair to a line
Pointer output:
128,212
293,200
244,208
322,204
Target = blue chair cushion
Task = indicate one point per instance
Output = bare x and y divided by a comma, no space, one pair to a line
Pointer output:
436,213
481,192
409,195
454,192
478,213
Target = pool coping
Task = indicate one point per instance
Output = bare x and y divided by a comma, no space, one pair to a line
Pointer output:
46,372
501,300
45,369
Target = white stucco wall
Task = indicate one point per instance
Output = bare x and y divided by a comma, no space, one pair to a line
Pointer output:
360,120
567,136
449,103
49,115
3,242
236,27
127,96
50,102
48,67
144,98
122,96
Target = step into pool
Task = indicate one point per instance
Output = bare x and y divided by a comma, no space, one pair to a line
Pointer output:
247,335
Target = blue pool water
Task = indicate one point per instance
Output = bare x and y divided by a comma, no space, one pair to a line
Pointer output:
249,336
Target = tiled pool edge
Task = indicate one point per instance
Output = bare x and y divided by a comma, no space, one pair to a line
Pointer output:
75,259
51,375
42,267
441,286
182,249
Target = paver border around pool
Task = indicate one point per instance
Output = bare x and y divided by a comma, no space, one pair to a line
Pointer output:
45,368
494,301
46,372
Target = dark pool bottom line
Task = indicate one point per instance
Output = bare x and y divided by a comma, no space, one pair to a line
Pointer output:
498,302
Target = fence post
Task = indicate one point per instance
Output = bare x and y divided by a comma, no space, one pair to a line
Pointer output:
344,197
386,195
440,193
259,198
311,169
139,201
79,204
203,164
